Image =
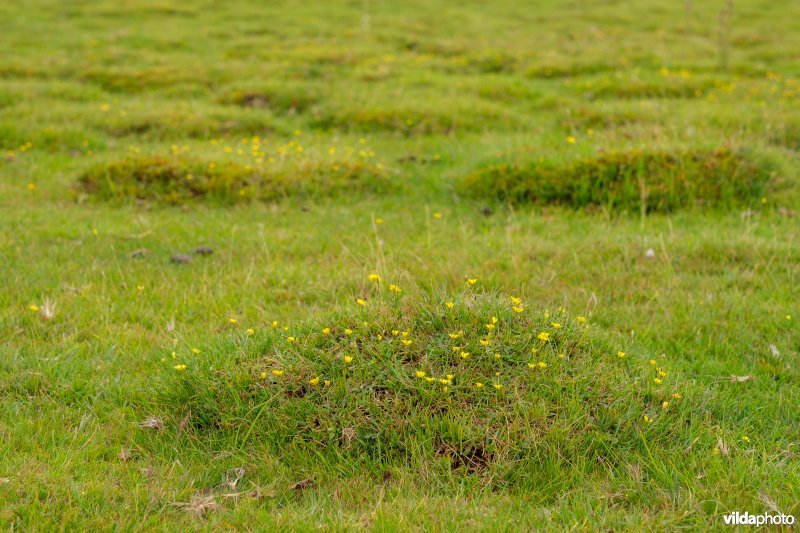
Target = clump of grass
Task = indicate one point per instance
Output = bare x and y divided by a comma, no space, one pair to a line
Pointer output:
289,99
628,180
177,179
476,384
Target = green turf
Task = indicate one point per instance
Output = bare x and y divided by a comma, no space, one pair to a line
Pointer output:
628,171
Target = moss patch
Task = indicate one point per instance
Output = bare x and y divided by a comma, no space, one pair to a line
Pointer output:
177,180
661,181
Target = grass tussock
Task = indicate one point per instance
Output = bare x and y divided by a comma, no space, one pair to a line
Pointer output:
628,180
473,385
176,179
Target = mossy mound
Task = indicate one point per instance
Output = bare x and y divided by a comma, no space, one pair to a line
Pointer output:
476,386
627,180
177,180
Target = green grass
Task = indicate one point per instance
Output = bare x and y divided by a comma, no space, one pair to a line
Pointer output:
634,164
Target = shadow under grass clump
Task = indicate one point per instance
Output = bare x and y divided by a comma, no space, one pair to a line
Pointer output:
473,385
628,180
177,180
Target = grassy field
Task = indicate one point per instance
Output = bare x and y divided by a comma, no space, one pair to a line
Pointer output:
420,265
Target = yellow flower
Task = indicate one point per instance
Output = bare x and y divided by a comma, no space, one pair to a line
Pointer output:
531,365
515,300
327,383
374,277
497,356
450,376
274,324
361,301
348,359
478,384
484,342
647,419
745,438
290,339
314,381
661,373
664,405
250,332
444,381
348,331
395,288
179,368
420,374
430,379
263,375
677,396
437,215
33,307
404,333
657,381
542,364
498,386
652,361
449,305
555,325
620,354
454,335
518,309
464,355
561,356
395,332
543,336
406,342
490,327
571,139
326,331
232,320
494,320
277,373
379,221
581,318
195,351
472,281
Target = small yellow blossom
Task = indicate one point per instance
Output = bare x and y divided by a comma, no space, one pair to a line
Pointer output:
179,368
620,354
250,332
490,327
454,335
327,383
326,331
420,374
277,373
404,333
484,342
478,385
677,396
449,305
498,386
430,379
531,365
647,419
374,277
571,139
274,324
395,288
290,339
515,300
518,309
314,381
263,375
464,355
232,320
543,336
472,281
664,405
652,361
494,320
195,351
348,359
542,364
555,325
657,381
33,307
348,331
581,319
437,215
745,438
497,356
406,342
361,301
